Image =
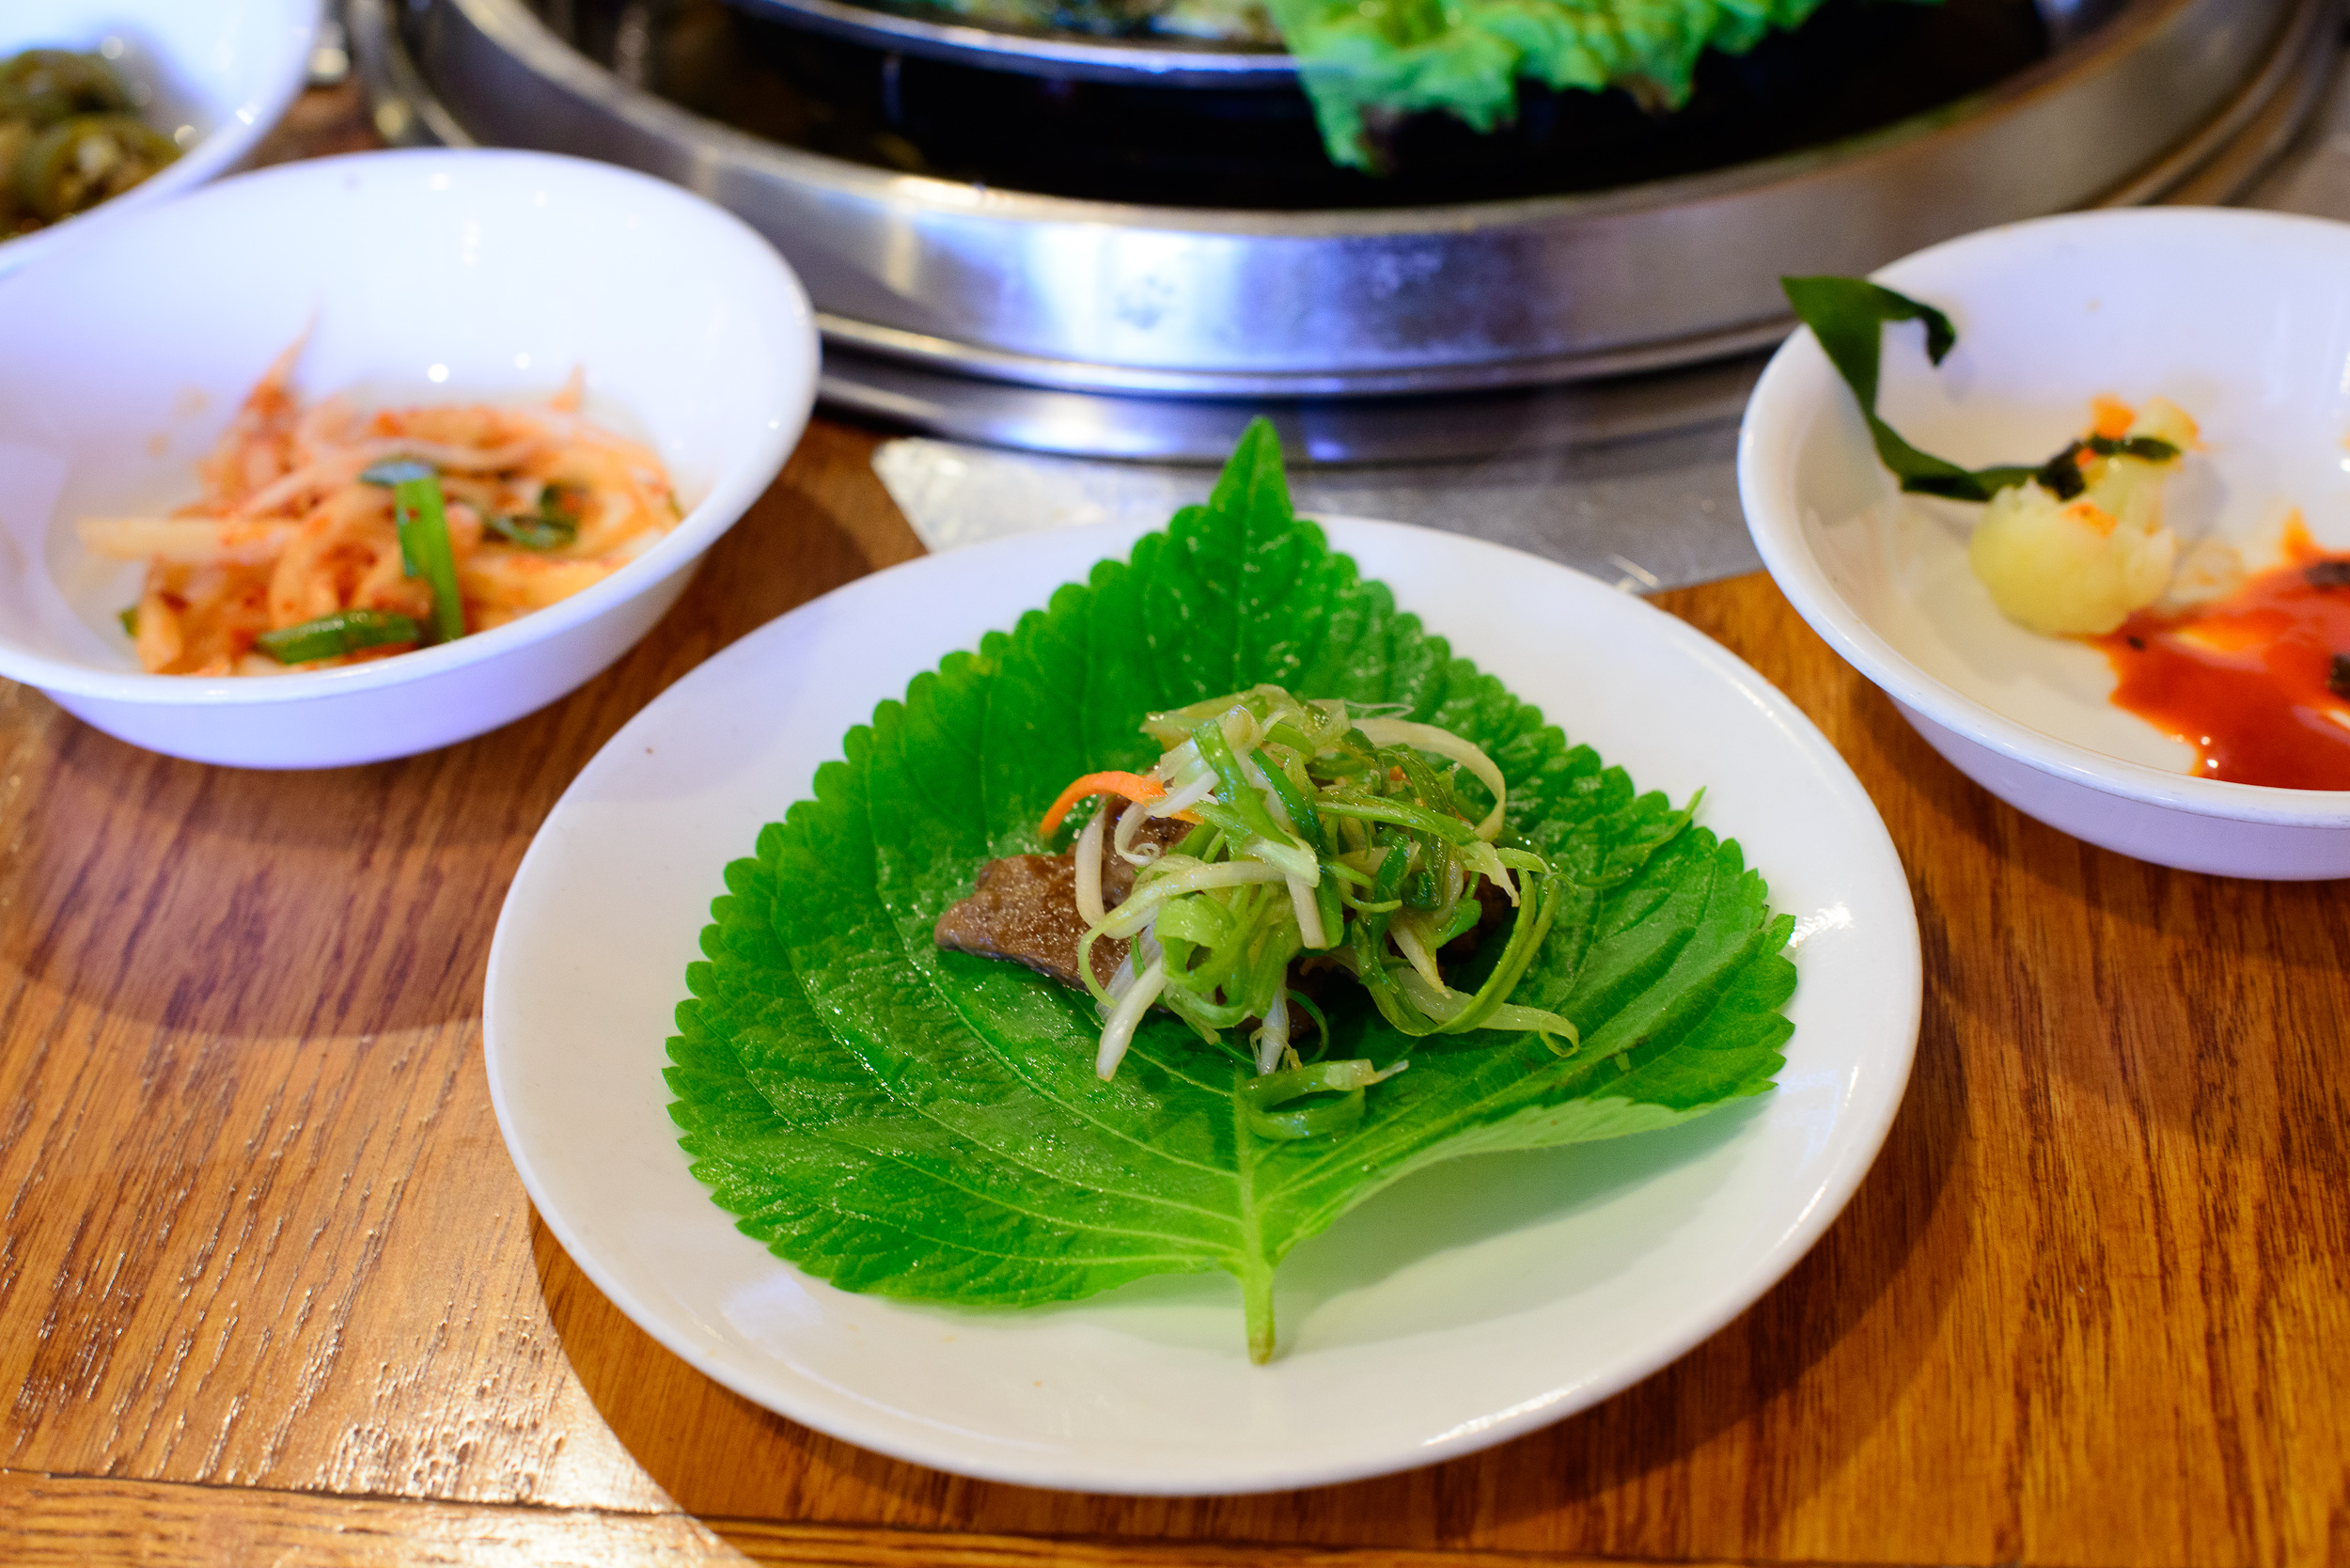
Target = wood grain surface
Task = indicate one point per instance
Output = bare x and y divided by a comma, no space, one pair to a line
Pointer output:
270,1291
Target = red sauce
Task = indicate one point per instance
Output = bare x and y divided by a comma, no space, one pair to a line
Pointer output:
2250,681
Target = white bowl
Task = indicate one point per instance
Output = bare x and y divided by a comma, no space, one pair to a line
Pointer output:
220,73
2244,320
435,275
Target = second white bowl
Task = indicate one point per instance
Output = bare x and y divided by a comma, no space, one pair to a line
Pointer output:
2243,318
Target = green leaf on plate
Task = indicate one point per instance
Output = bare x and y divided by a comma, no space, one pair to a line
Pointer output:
928,1124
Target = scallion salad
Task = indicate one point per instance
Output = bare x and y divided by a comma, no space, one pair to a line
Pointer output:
1353,839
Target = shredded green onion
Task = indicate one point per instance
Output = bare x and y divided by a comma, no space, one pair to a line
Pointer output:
555,526
395,471
1273,1103
424,548
331,636
1330,838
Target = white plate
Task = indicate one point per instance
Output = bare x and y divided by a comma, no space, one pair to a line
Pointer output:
1462,1306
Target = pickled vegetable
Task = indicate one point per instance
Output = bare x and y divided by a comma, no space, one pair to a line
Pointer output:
78,162
70,137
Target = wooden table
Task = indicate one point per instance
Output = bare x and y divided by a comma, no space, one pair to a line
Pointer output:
270,1291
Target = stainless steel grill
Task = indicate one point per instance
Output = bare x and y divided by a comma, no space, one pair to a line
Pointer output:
1145,330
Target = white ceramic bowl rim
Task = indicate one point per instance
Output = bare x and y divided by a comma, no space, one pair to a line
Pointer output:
729,496
1799,374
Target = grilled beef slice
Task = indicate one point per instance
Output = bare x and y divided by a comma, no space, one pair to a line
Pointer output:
1023,907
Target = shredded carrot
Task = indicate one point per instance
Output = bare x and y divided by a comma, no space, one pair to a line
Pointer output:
1133,785
2113,416
2091,514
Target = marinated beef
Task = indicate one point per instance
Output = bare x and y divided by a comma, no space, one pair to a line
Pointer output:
1023,907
